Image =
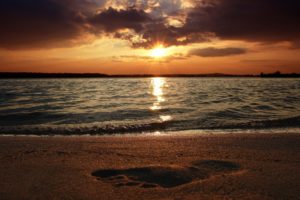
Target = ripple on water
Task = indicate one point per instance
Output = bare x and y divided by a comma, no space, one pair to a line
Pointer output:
127,105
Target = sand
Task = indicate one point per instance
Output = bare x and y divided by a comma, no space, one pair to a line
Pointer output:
232,166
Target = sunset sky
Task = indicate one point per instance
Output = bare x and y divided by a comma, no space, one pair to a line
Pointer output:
154,36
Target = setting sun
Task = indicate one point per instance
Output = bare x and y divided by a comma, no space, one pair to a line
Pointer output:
149,99
158,52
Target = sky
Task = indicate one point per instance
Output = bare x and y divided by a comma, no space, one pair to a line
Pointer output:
150,37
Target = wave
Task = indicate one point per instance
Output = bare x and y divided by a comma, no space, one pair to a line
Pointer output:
292,122
82,129
179,125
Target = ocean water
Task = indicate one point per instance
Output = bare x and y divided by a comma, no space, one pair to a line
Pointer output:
145,105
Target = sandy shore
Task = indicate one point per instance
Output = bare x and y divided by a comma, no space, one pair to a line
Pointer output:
236,166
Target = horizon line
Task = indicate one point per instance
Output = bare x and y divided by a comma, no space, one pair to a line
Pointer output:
103,75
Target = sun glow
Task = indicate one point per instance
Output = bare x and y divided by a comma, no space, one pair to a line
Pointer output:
158,52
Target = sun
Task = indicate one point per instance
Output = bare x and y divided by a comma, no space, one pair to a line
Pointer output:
158,52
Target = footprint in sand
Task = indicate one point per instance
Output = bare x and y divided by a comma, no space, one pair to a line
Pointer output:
165,176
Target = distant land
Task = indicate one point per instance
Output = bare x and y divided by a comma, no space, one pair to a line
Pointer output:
5,75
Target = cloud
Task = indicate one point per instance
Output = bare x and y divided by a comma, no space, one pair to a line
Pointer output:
257,61
166,59
266,21
53,23
111,20
251,20
42,23
215,52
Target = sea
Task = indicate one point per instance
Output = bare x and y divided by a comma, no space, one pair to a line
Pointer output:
113,106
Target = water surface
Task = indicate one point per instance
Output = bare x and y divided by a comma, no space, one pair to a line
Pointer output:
137,105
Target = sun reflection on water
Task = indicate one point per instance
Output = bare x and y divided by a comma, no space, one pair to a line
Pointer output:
158,85
157,91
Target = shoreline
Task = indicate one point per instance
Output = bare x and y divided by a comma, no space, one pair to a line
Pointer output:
203,166
193,132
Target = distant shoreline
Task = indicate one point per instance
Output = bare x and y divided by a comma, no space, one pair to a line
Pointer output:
8,75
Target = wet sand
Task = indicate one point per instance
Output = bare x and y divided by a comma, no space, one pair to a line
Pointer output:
233,166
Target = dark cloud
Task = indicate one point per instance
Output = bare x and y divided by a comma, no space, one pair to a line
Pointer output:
147,29
248,20
44,23
111,20
251,20
215,52
41,23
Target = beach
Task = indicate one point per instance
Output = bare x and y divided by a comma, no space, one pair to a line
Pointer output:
149,100
179,167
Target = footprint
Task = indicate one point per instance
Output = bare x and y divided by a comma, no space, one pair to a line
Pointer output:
165,176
